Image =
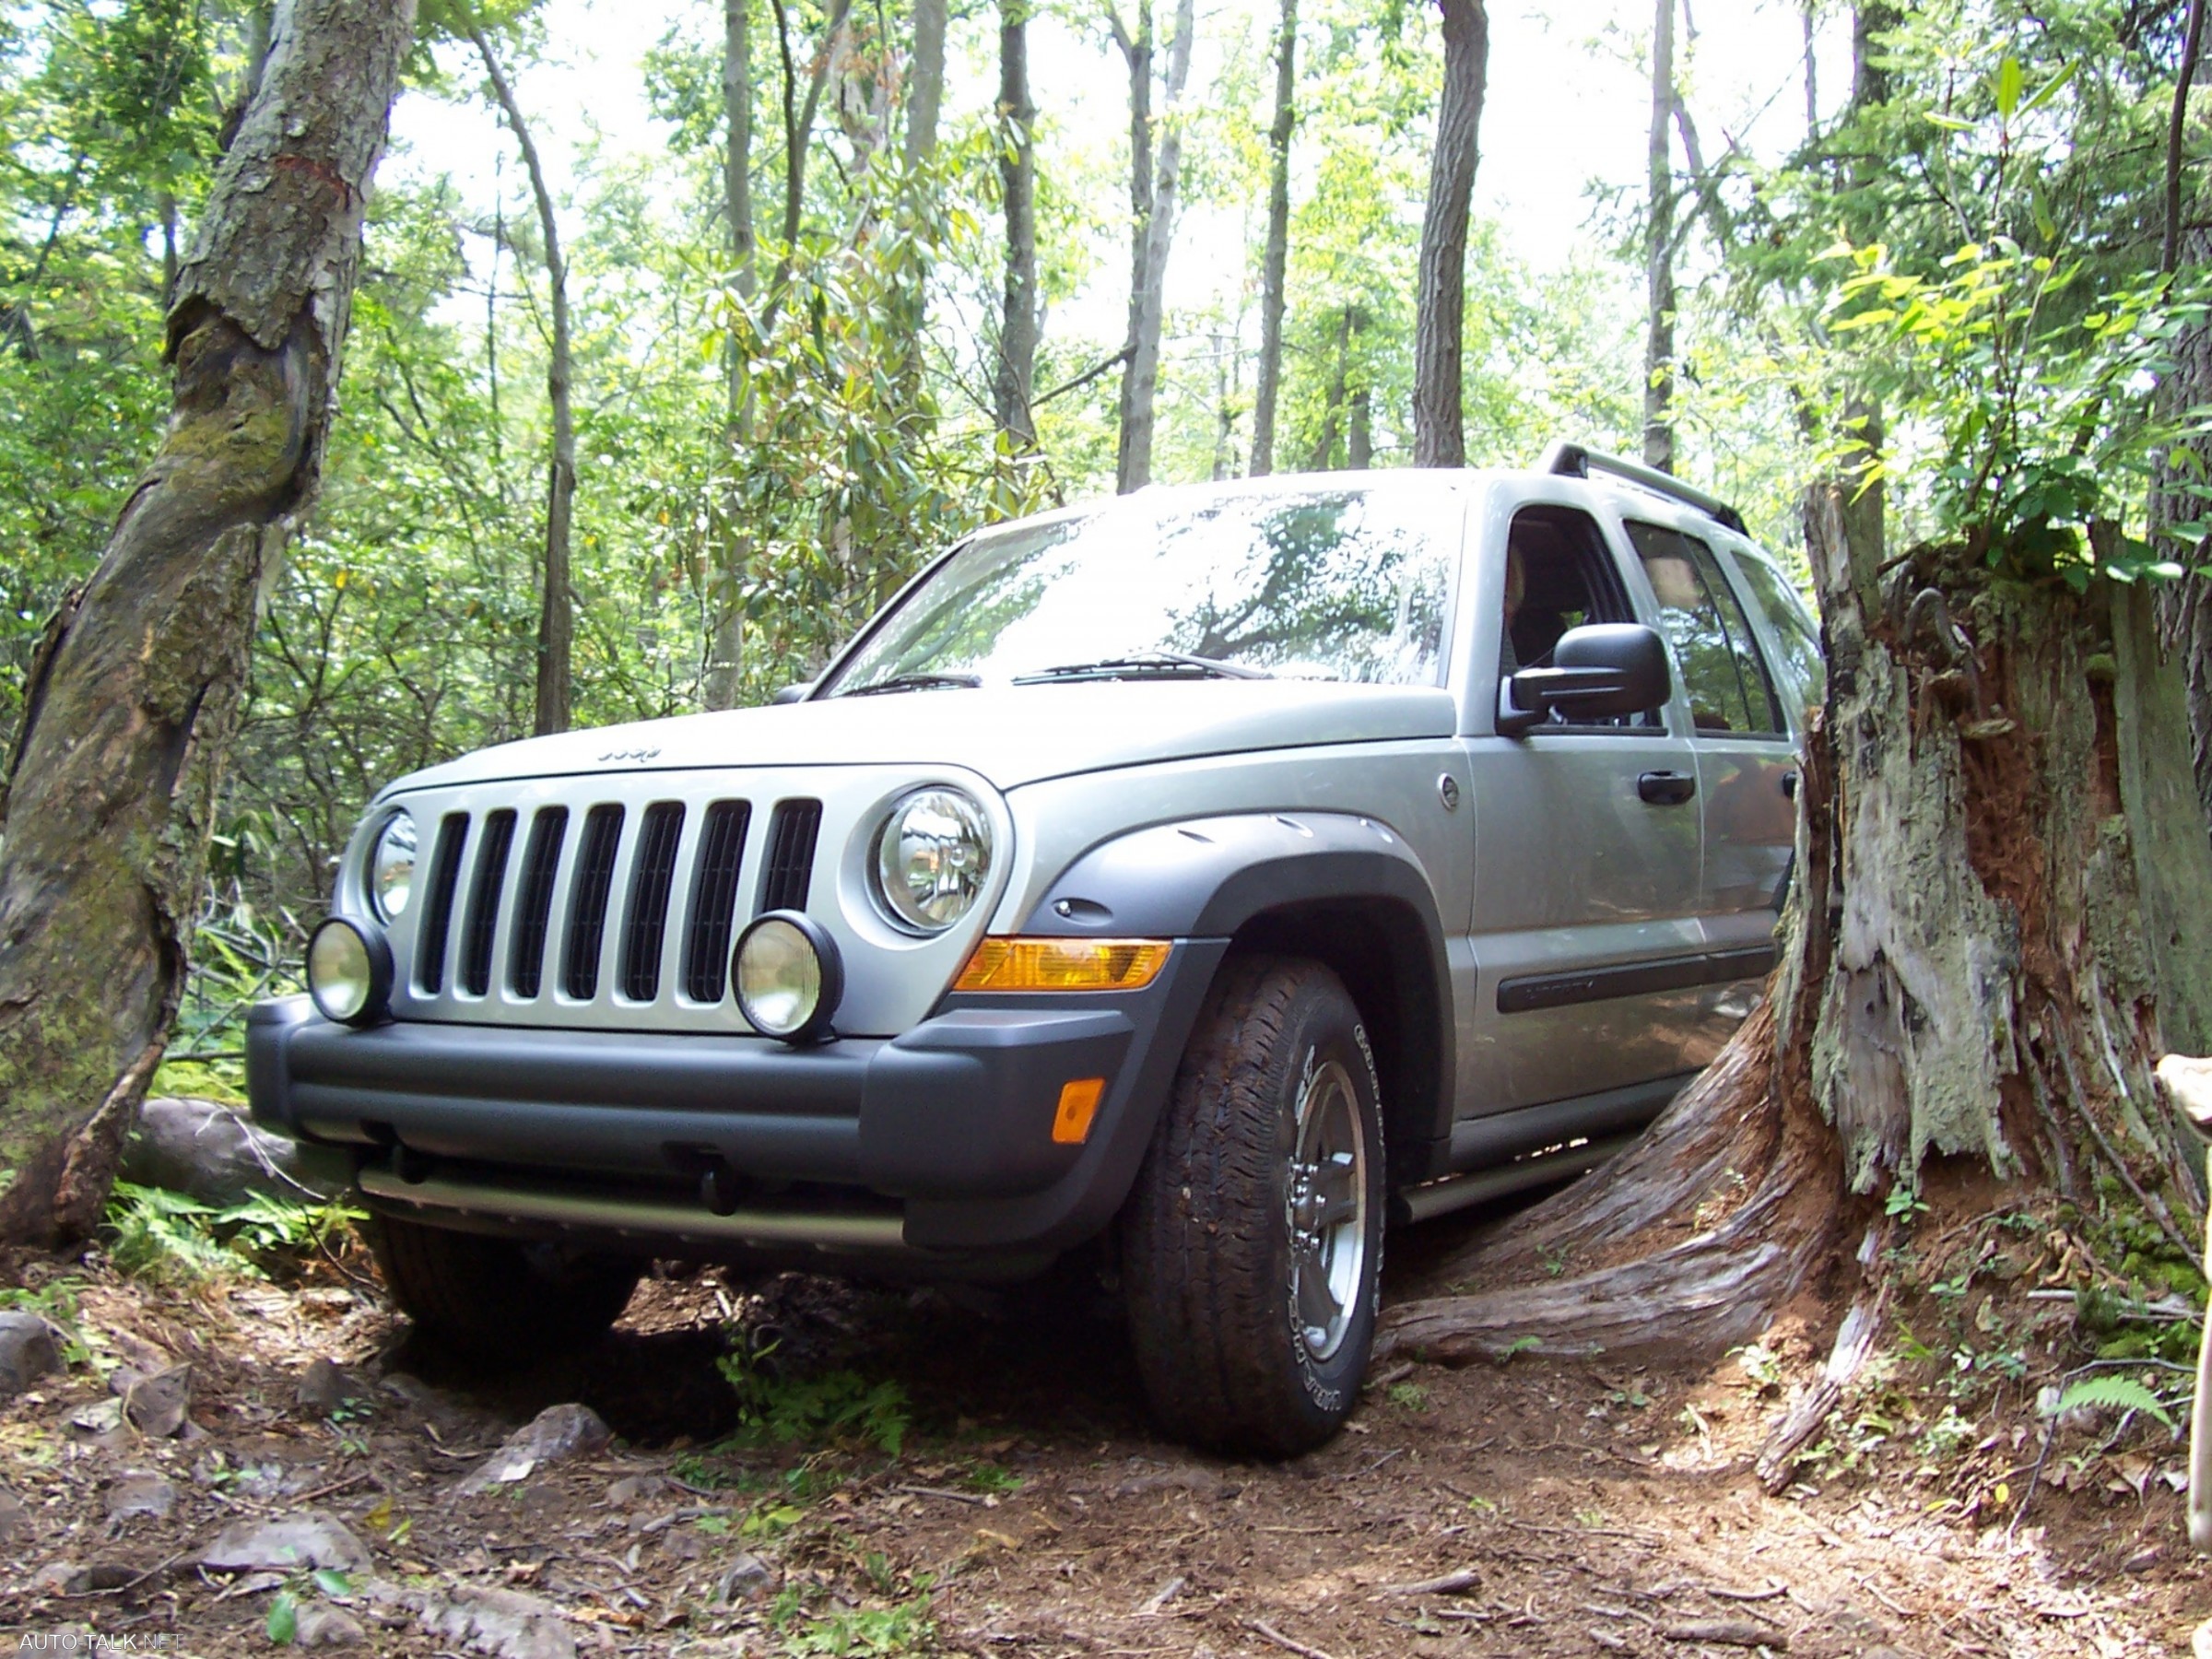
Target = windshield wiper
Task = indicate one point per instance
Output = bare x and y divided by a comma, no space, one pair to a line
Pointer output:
1144,663
916,682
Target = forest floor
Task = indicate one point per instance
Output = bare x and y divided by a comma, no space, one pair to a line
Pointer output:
1030,1511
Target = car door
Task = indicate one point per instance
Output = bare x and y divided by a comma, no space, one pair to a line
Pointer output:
1745,754
1587,847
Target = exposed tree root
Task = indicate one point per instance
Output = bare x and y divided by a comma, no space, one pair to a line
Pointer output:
1724,1209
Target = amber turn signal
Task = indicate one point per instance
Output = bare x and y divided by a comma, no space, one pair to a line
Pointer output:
1005,964
1079,1105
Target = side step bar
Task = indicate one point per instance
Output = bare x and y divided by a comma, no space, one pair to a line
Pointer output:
1480,1186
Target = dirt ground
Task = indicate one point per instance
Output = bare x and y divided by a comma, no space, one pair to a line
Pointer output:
1536,1507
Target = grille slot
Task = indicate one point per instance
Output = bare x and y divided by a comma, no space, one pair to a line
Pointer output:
792,832
587,910
437,903
715,900
484,901
533,899
658,837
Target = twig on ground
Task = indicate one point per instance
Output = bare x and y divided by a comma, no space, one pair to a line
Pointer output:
1283,1642
154,1571
1726,1632
928,1491
1450,1584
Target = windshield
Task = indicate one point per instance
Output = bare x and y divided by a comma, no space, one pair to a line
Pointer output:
1343,584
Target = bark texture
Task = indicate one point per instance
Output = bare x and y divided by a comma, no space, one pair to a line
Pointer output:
557,606
1155,237
1440,290
1274,262
927,95
1012,386
1659,251
1980,957
725,677
133,698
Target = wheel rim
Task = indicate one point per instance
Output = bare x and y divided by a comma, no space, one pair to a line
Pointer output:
1325,1209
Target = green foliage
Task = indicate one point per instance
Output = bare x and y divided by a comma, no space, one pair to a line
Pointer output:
167,1238
2040,413
825,1408
862,1632
2112,1393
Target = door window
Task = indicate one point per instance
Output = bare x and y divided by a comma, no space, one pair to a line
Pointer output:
1558,575
1727,680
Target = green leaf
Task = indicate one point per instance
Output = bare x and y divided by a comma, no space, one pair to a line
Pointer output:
331,1582
1949,123
2050,89
284,1619
2113,1393
2009,86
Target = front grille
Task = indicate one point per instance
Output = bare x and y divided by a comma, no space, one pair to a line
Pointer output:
792,834
484,902
587,912
715,900
438,902
609,902
534,902
654,875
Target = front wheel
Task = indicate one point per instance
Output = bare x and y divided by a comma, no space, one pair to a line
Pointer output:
499,1302
1252,1243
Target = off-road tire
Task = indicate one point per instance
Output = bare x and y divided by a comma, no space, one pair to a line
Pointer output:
1206,1237
497,1301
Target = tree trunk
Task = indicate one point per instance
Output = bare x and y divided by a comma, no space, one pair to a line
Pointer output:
557,610
1812,75
1360,434
1988,821
1439,297
1332,409
798,135
1147,299
1018,178
928,82
1659,251
725,677
1274,262
132,700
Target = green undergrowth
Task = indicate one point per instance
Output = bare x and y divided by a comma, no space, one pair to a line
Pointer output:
2038,1339
835,1406
168,1239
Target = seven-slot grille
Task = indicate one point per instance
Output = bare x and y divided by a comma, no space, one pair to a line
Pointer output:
628,873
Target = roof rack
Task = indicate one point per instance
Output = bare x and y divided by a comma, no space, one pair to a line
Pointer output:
1576,462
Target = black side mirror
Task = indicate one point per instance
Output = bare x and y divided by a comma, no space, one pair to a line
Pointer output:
1602,669
790,694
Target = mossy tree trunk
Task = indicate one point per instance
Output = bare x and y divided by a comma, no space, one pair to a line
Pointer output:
1985,953
134,695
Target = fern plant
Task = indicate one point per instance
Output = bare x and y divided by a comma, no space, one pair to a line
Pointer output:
2113,1392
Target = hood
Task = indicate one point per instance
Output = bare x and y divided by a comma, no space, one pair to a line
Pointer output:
1010,735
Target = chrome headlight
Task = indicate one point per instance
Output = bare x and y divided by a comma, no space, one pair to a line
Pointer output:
933,856
391,873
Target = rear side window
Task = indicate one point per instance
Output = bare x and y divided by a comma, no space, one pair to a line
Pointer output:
1722,670
1797,637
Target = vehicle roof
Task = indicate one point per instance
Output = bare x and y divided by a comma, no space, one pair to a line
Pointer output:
1621,492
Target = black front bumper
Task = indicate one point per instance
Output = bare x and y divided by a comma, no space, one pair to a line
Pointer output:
936,1141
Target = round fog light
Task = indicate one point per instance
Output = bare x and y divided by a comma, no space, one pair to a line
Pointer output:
348,971
788,976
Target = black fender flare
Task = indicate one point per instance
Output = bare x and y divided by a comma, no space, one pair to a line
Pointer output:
1216,878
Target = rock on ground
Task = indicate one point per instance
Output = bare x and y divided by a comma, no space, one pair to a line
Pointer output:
141,1492
210,1151
319,1625
500,1624
325,1386
26,1351
557,1432
292,1543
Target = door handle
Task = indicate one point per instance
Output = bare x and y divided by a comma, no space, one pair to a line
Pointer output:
1789,784
1666,788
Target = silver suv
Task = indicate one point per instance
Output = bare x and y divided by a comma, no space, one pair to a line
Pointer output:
1215,874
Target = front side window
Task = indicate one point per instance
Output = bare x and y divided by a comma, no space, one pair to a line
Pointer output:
1340,584
1559,576
1721,671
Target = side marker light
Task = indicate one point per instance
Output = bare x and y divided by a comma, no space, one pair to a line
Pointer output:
1079,1105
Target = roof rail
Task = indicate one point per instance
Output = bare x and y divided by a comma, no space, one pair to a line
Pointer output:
1576,462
